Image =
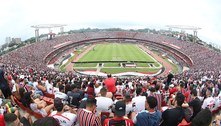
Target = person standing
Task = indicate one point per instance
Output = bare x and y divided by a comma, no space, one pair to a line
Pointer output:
169,78
172,117
5,87
139,100
195,104
110,84
103,102
209,101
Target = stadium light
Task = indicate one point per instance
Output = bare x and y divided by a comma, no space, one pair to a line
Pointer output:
49,26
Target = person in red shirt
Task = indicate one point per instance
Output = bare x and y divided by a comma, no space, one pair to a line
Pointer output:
173,89
90,90
185,92
110,84
2,121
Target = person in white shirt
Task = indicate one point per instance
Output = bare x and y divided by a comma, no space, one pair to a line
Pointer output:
35,83
61,93
209,102
139,100
219,100
64,114
50,88
120,89
103,102
97,88
129,104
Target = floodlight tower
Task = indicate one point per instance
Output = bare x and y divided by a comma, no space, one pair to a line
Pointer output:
48,26
183,28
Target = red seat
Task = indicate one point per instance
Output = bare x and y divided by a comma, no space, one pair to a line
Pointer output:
36,115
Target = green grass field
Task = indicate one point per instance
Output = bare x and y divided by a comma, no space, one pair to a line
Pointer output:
117,52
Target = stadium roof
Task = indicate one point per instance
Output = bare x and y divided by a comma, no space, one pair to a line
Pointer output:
48,25
184,27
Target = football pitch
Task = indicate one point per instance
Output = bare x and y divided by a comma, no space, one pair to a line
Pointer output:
116,52
111,53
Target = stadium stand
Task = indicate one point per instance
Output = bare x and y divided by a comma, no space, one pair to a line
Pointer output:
28,66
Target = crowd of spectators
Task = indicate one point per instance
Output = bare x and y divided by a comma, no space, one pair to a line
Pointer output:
86,100
75,99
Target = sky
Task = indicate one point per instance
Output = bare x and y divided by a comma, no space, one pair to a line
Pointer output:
16,16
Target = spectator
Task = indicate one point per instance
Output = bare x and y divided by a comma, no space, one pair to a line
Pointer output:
156,93
87,117
103,102
97,87
209,102
195,104
217,120
23,96
60,94
110,84
129,104
172,117
40,88
36,105
67,88
165,94
12,119
65,114
46,121
4,87
203,118
169,78
15,89
139,100
90,90
118,119
20,94
119,88
74,96
151,117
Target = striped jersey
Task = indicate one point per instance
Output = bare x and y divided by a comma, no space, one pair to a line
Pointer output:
87,118
158,96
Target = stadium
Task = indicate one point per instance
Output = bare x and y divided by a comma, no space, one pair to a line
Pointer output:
181,54
134,58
